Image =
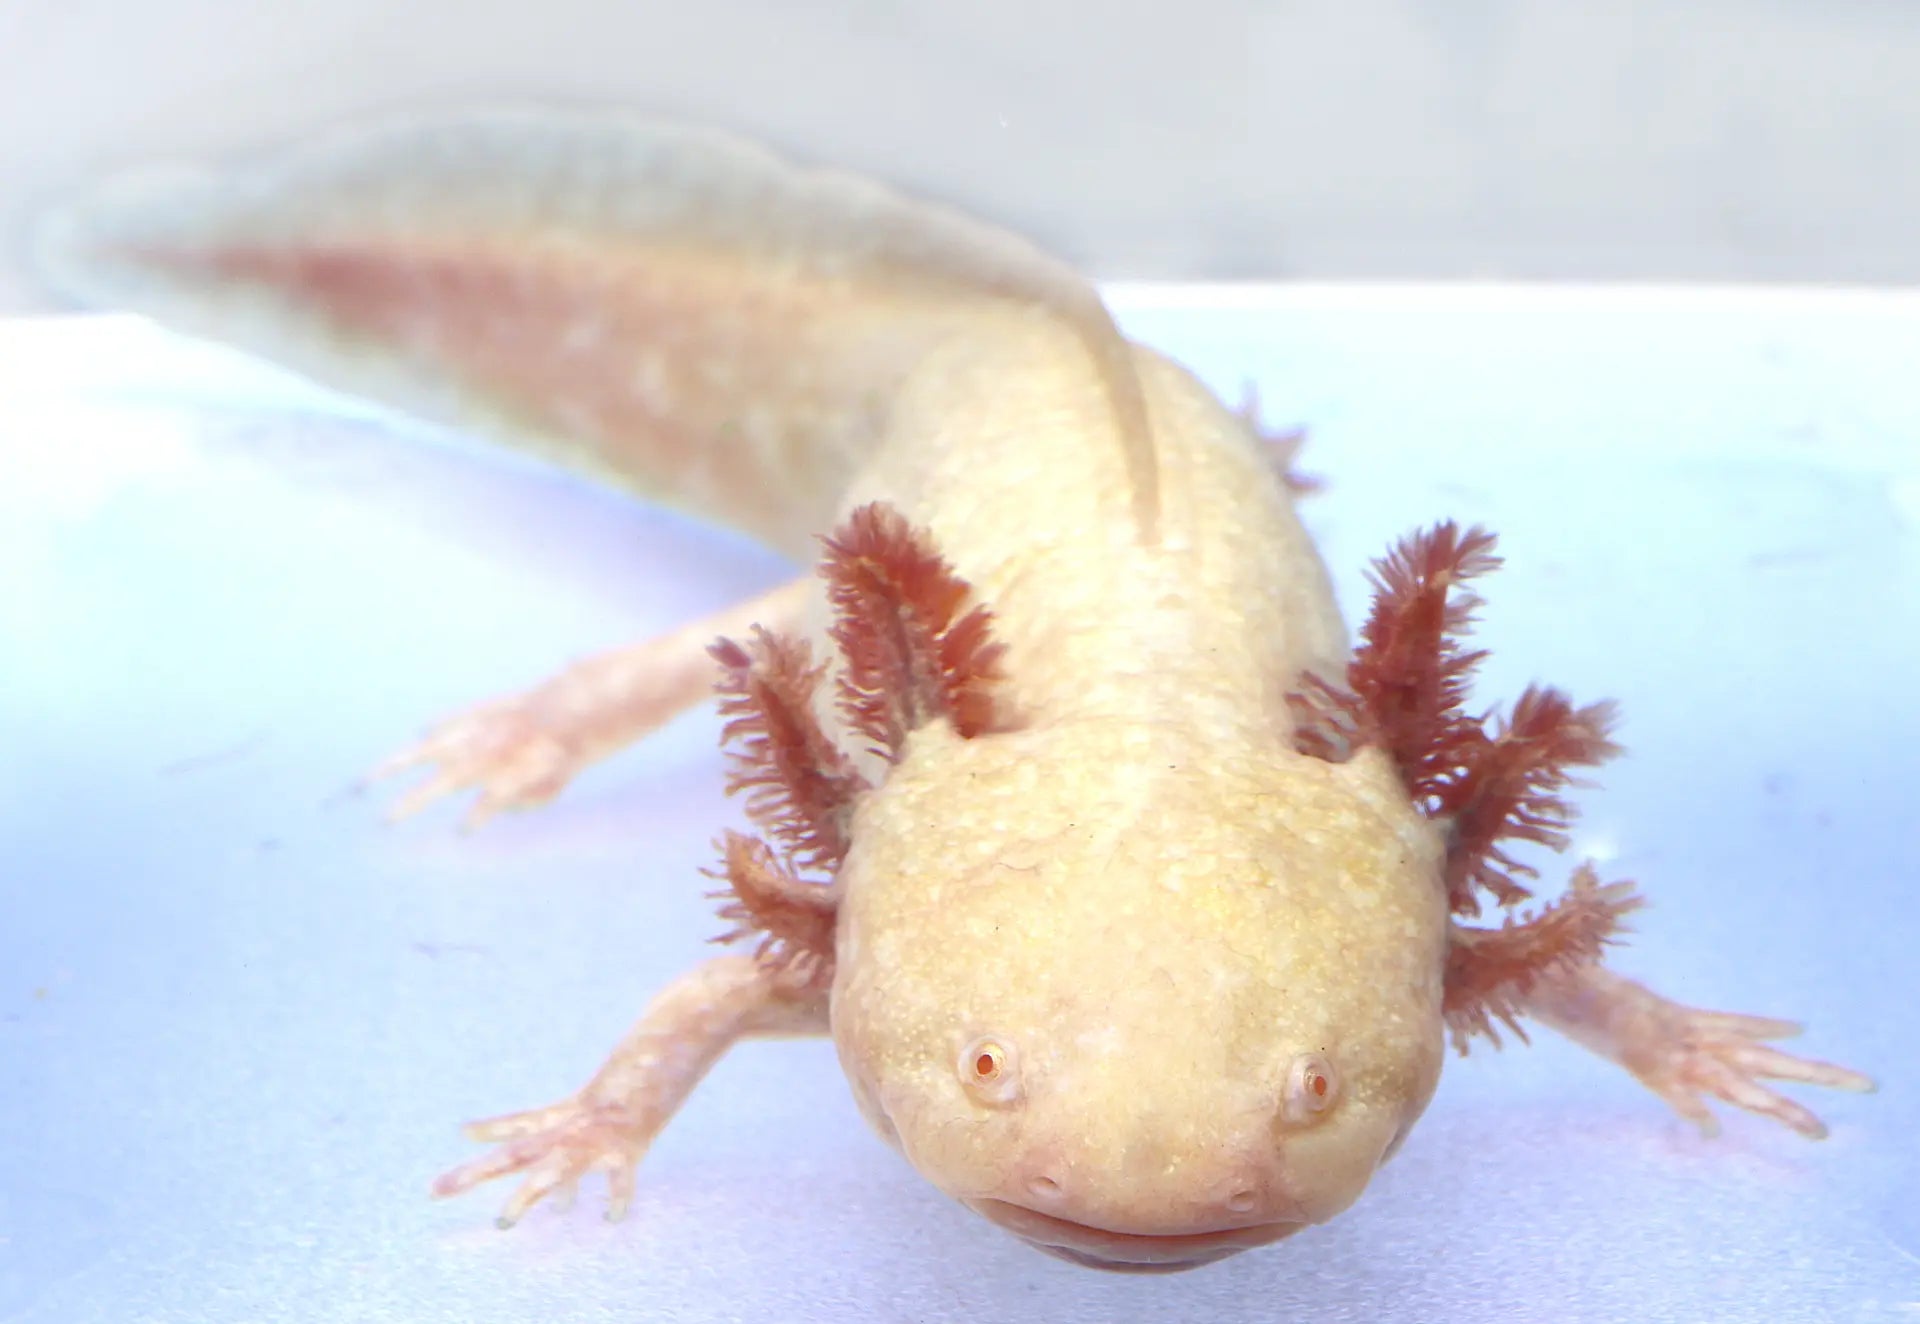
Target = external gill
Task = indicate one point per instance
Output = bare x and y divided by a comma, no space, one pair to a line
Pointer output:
1489,781
912,652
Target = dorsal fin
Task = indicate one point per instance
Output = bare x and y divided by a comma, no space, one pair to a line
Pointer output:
305,256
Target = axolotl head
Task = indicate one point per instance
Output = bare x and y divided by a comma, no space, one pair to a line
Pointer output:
1145,1016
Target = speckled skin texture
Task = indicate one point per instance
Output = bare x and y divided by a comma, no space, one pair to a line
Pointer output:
1141,889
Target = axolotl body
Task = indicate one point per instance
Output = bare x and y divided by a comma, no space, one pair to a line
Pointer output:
1136,905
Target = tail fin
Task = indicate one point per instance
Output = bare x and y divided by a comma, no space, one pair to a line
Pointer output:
678,310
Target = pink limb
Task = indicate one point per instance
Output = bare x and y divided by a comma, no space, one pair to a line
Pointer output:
608,1125
1684,1054
521,750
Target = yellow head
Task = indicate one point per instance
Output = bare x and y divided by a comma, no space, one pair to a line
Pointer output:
1142,1007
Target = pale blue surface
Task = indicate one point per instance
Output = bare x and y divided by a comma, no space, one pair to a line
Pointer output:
239,1019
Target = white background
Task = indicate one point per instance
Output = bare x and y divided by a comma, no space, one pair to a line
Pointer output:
240,1019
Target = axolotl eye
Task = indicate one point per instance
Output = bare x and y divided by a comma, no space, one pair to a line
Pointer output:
989,1071
1312,1087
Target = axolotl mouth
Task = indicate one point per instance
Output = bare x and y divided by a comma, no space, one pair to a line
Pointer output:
1128,1252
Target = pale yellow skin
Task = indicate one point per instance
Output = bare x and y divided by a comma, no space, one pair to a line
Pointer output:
1153,910
1142,891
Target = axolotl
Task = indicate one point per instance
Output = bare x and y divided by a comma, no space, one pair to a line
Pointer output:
1139,907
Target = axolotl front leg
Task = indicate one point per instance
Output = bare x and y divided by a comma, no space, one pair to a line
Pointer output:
910,656
609,1123
1491,784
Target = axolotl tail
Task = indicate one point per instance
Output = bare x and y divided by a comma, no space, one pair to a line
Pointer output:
672,310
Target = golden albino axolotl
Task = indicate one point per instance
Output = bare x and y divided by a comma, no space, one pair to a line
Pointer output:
1137,908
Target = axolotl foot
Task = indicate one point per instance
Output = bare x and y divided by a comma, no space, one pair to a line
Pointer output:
608,1125
1684,1054
555,1147
518,752
521,750
1689,1055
